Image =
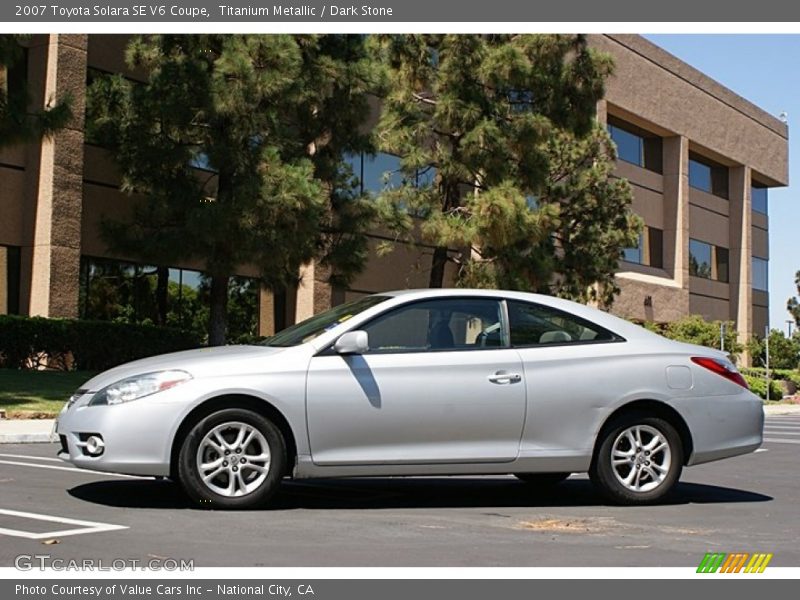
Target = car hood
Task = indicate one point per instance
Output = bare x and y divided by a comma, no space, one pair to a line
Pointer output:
202,362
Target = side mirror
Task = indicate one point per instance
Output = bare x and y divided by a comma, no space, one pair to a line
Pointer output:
352,342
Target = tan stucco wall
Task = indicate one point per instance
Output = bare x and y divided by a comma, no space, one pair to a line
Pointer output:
760,243
664,303
58,209
712,309
659,88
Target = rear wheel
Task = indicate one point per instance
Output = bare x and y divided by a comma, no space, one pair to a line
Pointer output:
233,458
542,479
638,461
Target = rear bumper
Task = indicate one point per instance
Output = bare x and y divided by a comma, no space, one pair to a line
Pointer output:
723,426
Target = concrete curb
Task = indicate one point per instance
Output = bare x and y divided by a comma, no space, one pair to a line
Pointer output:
27,431
782,409
26,438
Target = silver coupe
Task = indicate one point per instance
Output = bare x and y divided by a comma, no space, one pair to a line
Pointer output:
421,382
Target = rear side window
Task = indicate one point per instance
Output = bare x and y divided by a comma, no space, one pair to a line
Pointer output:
538,325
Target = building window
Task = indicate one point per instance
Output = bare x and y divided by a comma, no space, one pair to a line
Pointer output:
649,251
708,261
760,269
126,292
635,145
9,280
708,176
759,199
381,172
375,174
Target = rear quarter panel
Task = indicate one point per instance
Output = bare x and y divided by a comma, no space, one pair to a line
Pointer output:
573,389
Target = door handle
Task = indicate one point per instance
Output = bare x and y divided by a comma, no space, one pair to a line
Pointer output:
503,377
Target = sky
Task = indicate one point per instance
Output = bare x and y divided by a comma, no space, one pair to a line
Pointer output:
764,70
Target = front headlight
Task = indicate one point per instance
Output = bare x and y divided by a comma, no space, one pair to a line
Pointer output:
138,386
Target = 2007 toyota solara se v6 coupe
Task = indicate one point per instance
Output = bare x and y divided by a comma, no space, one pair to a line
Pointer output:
432,382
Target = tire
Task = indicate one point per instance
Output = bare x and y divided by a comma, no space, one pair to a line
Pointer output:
542,479
238,475
659,467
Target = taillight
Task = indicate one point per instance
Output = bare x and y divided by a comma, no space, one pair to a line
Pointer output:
721,367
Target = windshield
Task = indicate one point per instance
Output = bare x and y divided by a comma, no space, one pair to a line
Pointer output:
307,330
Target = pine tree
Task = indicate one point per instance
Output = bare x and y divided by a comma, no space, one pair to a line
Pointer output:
267,118
516,169
793,305
17,122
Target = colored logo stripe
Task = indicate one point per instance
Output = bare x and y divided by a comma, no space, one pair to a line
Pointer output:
758,563
711,562
734,563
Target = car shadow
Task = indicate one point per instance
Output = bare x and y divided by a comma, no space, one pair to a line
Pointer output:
401,492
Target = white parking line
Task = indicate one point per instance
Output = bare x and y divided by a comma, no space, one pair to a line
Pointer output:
32,457
762,450
85,526
73,469
782,441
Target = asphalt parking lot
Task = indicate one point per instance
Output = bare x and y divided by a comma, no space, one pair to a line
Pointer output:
744,504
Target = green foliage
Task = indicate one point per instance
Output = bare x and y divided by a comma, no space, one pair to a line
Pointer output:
793,305
784,353
17,122
268,117
29,342
758,385
792,375
520,169
694,329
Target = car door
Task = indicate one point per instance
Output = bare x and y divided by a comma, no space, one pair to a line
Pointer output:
573,371
438,385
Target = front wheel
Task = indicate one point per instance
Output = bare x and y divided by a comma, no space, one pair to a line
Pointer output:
638,461
233,458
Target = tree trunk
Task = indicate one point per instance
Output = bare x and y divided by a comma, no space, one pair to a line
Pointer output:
218,317
437,267
162,293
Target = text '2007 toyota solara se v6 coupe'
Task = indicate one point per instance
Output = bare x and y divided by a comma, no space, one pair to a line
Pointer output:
432,382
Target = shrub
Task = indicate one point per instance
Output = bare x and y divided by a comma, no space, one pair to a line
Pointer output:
694,329
792,375
28,342
758,385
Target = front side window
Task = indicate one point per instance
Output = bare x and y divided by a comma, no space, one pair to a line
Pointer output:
438,325
537,325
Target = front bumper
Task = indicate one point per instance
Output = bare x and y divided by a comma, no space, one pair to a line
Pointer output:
137,435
